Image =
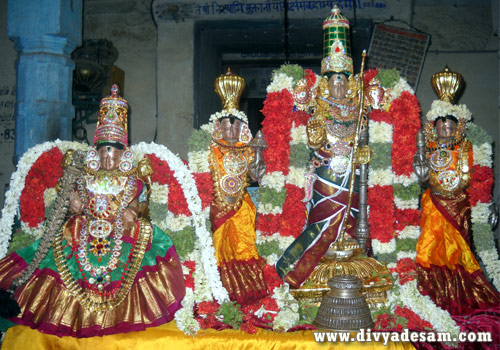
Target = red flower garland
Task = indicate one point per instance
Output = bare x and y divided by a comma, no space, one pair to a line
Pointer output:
414,321
481,184
162,174
44,174
294,212
406,268
405,113
406,217
379,115
204,184
310,78
382,218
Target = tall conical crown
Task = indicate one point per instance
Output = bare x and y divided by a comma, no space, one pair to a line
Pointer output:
448,85
112,119
229,87
336,44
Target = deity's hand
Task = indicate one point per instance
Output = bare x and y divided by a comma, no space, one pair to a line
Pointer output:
316,132
421,167
257,167
75,204
129,217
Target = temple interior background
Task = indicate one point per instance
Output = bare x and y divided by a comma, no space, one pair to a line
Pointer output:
169,53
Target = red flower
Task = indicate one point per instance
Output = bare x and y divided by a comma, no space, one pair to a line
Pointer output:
406,268
383,321
293,215
414,321
162,174
378,115
382,218
369,75
205,187
189,279
271,278
310,78
43,174
268,223
481,185
405,113
207,307
405,217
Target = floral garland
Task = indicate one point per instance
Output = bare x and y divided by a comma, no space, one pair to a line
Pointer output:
176,207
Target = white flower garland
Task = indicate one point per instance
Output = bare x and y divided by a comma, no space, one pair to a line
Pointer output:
16,186
204,238
280,81
274,180
442,108
288,316
228,113
381,177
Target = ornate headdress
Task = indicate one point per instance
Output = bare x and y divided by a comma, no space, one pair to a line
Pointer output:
112,119
336,44
448,85
229,87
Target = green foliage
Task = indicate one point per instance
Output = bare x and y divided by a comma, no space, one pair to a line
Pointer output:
268,248
307,312
20,240
388,77
299,155
157,211
199,140
482,237
407,192
406,245
386,258
293,70
183,241
381,155
477,135
231,314
270,195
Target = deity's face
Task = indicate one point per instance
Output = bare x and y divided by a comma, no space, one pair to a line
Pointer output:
109,157
338,85
446,129
230,132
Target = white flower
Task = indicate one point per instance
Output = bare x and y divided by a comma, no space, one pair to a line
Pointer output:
383,248
483,154
198,161
480,212
405,180
380,132
227,113
288,315
406,203
296,176
410,231
49,196
424,307
381,177
491,262
267,208
159,193
298,135
279,82
272,259
442,108
184,317
397,90
275,180
403,255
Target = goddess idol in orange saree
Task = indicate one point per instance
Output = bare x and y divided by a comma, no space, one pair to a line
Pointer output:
234,157
447,269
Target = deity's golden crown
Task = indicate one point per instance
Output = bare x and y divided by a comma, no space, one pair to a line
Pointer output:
112,119
229,87
447,85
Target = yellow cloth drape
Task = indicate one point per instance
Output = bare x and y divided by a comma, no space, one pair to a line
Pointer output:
235,239
440,243
170,338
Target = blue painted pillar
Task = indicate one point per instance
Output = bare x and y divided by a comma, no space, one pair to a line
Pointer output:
44,33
